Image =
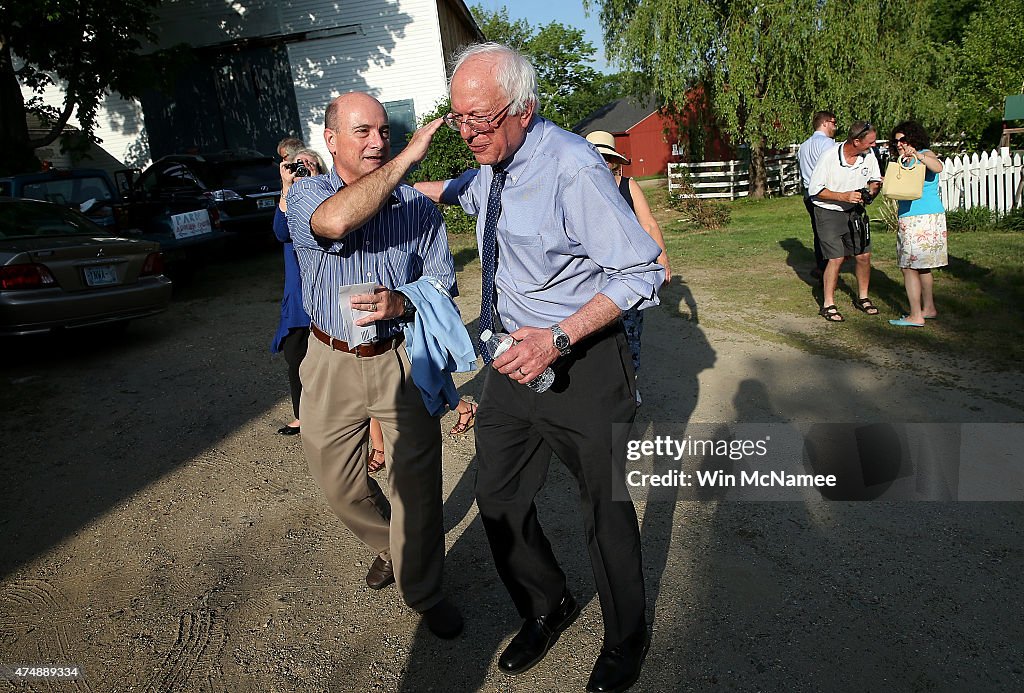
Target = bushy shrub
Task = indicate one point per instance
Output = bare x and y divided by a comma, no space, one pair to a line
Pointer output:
1012,220
884,212
703,213
456,220
448,156
970,220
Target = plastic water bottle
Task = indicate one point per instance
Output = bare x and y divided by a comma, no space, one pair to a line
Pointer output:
498,344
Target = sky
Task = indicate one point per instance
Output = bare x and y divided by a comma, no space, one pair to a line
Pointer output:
568,12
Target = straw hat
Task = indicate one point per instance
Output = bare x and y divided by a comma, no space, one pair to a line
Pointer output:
605,143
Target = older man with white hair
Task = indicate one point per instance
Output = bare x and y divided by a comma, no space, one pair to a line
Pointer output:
562,256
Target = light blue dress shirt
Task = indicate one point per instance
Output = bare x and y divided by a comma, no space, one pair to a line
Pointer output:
809,153
564,235
405,240
437,343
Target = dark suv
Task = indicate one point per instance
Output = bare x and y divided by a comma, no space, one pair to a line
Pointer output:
186,229
88,190
243,186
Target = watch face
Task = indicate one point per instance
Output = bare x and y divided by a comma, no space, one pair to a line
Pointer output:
561,341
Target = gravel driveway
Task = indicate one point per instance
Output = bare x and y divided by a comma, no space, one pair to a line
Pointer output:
159,535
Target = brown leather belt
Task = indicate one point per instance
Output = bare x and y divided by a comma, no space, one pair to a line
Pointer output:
363,350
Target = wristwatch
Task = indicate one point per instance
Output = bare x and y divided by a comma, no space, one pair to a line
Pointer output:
561,340
409,309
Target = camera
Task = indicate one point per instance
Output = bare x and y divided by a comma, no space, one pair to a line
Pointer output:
866,195
298,169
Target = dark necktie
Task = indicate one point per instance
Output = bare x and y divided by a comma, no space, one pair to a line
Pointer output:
489,255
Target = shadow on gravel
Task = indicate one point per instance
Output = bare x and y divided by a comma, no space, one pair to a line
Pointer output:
169,387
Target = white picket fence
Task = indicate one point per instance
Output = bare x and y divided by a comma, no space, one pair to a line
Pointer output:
731,179
991,179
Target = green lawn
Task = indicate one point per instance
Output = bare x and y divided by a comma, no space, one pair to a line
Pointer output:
752,276
759,266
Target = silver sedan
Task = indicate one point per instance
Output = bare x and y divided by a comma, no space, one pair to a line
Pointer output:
60,270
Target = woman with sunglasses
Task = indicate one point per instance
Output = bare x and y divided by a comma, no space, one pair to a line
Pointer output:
921,237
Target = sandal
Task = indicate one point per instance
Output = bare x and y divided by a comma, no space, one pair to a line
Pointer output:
375,461
467,419
865,305
832,314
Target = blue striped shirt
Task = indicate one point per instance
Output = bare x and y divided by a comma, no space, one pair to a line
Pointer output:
404,241
564,235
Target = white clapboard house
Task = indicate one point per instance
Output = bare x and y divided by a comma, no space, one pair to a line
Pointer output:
263,69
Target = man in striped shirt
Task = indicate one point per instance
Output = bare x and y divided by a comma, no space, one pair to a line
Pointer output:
359,224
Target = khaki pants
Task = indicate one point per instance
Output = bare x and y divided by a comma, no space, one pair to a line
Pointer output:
340,392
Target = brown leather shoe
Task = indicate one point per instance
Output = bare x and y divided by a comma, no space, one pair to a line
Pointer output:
381,574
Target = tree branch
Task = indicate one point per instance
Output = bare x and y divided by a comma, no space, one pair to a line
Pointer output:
58,127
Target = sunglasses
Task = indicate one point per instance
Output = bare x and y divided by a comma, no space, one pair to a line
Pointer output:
868,127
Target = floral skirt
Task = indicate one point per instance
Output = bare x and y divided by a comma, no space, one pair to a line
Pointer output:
921,242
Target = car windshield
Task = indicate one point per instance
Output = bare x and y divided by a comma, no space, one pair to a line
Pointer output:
243,174
26,219
69,191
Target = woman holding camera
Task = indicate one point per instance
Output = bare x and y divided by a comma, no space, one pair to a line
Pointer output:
921,237
293,329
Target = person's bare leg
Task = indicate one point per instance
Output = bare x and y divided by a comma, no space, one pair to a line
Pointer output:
927,297
377,460
829,281
912,281
863,273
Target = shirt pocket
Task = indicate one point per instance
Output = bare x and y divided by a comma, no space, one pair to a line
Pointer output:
525,261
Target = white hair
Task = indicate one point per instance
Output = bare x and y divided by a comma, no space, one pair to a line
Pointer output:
514,74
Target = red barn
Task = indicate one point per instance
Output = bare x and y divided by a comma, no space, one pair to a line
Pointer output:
650,137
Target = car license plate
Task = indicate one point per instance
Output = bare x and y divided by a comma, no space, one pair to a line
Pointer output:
264,202
102,275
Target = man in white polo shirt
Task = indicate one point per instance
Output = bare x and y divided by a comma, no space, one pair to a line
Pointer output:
836,186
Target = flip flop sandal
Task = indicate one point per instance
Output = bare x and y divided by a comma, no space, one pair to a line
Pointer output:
466,420
832,314
375,461
865,306
903,322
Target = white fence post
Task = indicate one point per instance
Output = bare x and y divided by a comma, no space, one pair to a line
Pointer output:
731,179
993,180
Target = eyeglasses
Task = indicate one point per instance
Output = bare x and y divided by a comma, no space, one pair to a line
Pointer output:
868,127
475,124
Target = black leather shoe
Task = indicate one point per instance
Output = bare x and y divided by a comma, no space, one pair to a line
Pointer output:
443,620
288,430
381,574
618,668
537,636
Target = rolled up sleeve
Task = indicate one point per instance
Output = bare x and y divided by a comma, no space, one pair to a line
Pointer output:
602,223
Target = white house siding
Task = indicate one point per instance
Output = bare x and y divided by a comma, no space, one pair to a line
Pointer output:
389,48
394,54
119,125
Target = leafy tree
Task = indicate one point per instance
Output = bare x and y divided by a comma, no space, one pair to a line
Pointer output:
767,67
949,18
90,46
570,89
448,157
990,69
497,26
